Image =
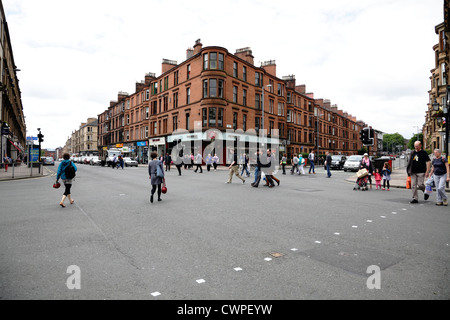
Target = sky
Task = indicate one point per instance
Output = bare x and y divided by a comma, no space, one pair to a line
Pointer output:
371,58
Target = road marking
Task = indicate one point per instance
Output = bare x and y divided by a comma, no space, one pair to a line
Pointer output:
201,281
155,294
394,212
268,259
355,227
383,217
294,249
319,242
238,269
369,220
337,233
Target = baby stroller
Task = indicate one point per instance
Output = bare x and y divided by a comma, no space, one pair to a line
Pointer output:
362,181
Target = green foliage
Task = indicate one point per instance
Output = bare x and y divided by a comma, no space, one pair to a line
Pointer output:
362,151
391,141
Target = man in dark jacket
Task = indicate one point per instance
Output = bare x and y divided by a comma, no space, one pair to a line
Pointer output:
418,167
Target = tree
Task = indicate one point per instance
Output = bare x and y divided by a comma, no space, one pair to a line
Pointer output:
391,141
417,136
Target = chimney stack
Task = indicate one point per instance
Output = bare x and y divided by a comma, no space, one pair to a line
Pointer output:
189,53
198,46
245,54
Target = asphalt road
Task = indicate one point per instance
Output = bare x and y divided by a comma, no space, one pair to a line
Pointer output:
208,240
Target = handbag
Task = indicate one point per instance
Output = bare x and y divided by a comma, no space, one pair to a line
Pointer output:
164,188
159,172
362,173
56,185
408,182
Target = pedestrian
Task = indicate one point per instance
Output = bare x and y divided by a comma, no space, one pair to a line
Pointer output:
198,161
366,163
179,161
156,180
191,163
61,174
258,171
186,160
283,163
168,161
418,167
234,167
208,162
441,172
215,161
378,179
271,155
120,162
312,158
244,162
295,165
114,161
328,164
6,162
386,173
301,164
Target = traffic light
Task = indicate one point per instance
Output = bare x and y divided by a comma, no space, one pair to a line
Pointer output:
41,137
367,136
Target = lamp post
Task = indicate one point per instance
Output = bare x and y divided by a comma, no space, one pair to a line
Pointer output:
436,108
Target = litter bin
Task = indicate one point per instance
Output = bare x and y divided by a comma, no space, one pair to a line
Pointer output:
379,163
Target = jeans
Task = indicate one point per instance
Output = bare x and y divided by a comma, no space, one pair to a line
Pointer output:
244,167
328,171
439,181
312,167
256,174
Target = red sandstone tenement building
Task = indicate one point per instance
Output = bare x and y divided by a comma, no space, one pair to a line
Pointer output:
215,89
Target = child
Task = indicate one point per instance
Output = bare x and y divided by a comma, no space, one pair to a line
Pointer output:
378,178
386,172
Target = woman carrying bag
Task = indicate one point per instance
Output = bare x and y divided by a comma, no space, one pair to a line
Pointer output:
156,175
63,172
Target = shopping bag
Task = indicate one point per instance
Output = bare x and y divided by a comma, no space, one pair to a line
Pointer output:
164,188
362,173
408,182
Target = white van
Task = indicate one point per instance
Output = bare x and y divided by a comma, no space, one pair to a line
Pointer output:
111,153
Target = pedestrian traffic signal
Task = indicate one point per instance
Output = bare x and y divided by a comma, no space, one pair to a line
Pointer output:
367,136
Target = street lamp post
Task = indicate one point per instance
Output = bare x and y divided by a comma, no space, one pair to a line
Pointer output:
436,107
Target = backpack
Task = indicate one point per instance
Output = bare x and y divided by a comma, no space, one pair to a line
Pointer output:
70,171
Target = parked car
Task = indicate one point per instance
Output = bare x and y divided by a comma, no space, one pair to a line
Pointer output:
337,162
48,161
352,163
95,161
130,162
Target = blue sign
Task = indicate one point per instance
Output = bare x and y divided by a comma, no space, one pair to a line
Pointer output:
34,155
142,144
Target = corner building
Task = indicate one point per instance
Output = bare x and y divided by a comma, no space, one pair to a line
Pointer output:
213,91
